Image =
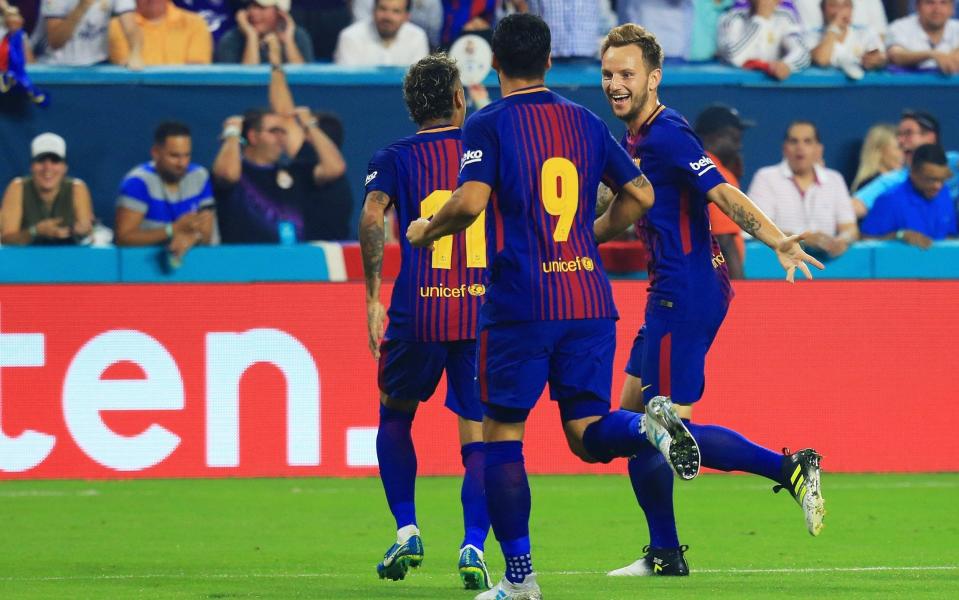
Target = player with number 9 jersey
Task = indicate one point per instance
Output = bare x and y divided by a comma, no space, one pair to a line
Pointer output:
549,313
544,157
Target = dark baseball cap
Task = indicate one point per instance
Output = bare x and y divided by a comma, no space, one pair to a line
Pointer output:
719,116
923,118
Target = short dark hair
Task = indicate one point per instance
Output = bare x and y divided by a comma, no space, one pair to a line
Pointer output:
630,34
409,4
815,130
924,119
429,87
168,129
929,153
253,119
521,45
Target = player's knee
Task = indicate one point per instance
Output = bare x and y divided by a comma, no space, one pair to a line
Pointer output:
406,406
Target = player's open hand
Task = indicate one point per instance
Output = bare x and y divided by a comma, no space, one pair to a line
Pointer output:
791,255
416,233
375,319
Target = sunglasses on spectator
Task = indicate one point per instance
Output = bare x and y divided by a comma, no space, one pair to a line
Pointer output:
49,158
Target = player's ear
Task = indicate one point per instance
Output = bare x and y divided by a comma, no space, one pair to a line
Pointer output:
459,99
655,77
549,62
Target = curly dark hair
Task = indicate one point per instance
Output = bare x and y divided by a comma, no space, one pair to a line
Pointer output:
429,88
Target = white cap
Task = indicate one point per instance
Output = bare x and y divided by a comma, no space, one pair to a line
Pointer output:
281,4
48,143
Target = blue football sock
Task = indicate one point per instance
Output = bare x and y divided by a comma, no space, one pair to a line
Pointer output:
397,459
652,481
726,450
616,434
473,495
508,499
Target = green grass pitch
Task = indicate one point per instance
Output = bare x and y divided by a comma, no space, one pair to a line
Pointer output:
886,536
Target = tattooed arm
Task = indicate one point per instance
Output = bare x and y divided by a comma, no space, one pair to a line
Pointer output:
604,196
372,239
753,221
630,204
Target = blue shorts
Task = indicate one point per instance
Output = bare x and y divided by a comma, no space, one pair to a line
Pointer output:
515,361
669,354
411,370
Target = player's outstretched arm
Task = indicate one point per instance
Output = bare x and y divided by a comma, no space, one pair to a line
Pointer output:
466,203
754,221
372,239
632,202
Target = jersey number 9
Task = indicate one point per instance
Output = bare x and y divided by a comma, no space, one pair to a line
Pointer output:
559,189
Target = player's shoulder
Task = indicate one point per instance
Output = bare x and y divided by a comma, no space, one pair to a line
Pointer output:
670,128
395,149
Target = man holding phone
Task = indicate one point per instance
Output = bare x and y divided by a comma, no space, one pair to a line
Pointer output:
257,22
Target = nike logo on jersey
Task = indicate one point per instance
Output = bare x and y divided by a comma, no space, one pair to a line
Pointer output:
370,177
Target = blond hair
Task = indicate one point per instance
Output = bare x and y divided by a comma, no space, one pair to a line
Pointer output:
633,34
870,156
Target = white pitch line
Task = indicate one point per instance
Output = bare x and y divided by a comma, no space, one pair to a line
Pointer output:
547,573
790,570
46,493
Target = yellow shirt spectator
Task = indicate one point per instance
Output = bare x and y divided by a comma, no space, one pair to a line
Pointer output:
176,37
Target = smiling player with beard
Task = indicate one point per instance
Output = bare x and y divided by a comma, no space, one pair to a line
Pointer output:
689,295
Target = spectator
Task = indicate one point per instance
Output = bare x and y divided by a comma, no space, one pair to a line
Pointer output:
388,39
851,48
171,36
323,20
880,154
46,207
428,14
460,17
918,210
575,28
167,200
247,44
764,37
259,192
668,20
916,128
928,39
800,195
865,13
322,208
706,15
721,130
76,31
328,216
218,14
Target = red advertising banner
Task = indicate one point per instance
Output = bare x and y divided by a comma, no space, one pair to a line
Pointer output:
122,381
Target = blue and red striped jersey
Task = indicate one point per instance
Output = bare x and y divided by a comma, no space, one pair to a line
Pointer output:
543,156
686,266
437,293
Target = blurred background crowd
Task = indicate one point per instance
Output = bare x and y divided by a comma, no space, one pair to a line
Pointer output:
279,175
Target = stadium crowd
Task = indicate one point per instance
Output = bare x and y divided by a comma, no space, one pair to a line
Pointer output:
279,174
